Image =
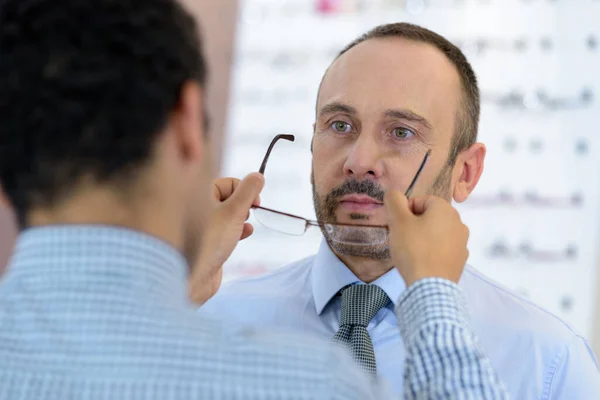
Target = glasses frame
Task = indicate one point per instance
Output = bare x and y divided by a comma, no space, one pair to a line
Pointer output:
307,222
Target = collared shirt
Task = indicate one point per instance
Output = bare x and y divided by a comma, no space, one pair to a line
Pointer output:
536,355
102,313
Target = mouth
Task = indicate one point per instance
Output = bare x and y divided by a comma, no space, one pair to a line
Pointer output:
359,203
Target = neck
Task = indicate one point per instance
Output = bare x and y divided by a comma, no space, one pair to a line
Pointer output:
103,206
366,269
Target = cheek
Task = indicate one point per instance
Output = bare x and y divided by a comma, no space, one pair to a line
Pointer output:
327,163
325,176
399,172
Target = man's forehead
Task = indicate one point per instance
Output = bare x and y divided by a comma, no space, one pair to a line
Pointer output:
383,72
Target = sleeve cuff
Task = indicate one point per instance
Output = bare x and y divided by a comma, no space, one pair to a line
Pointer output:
430,301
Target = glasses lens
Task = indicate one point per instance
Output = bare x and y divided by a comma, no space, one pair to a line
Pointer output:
357,235
280,223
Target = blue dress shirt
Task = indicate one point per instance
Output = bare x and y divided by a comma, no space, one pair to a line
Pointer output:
535,354
101,313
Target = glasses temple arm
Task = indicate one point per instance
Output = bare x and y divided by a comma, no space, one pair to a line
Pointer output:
291,138
412,184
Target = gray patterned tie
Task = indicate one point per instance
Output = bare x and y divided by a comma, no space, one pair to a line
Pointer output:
360,303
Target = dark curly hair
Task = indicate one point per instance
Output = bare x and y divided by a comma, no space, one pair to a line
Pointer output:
85,88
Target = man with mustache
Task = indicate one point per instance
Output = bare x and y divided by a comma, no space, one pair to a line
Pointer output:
104,159
389,97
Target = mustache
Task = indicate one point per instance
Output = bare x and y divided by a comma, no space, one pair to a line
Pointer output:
367,187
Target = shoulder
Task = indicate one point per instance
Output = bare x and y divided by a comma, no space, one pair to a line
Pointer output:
506,324
288,280
304,364
289,274
489,302
205,350
271,293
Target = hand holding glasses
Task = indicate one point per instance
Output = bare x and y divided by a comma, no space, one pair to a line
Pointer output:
353,234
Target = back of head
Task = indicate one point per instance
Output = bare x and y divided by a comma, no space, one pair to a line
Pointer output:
85,88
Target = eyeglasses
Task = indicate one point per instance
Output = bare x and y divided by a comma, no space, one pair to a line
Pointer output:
351,234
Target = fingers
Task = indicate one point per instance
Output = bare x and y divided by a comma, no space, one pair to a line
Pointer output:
419,205
396,205
223,189
256,201
247,231
246,194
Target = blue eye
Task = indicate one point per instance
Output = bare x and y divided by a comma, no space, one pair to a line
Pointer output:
341,126
402,133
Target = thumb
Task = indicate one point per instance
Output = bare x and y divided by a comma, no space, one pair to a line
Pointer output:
419,205
245,194
429,204
397,208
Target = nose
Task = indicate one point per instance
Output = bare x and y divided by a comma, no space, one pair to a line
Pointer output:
363,161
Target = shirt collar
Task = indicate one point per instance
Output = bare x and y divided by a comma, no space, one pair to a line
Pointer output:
330,274
129,260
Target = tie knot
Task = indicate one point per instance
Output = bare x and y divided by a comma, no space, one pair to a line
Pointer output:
360,303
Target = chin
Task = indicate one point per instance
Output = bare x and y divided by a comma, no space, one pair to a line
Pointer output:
375,252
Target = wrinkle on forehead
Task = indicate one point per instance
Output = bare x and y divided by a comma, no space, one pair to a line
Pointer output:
386,73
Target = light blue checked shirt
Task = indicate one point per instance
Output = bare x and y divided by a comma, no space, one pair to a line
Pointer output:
536,355
89,312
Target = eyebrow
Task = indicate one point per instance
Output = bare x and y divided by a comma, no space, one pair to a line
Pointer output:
404,114
408,116
336,107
